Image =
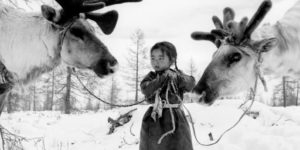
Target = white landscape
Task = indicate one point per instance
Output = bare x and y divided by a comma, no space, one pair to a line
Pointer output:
267,128
275,128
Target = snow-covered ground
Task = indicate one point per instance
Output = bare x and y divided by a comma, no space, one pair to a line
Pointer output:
273,129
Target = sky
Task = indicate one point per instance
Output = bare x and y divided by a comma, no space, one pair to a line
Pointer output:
175,20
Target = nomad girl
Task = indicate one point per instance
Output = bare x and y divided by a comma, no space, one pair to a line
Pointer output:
164,125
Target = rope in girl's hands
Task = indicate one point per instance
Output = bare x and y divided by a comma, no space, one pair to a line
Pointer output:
171,74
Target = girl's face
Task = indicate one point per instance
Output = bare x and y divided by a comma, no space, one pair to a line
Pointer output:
159,60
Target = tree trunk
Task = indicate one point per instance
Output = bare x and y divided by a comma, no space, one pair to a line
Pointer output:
68,92
283,90
29,103
112,92
137,73
297,93
34,103
52,92
3,98
9,103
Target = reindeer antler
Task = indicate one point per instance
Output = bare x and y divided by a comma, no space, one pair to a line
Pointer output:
221,30
106,21
236,32
257,18
76,6
113,2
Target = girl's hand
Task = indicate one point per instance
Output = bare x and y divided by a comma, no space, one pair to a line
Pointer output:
171,74
179,71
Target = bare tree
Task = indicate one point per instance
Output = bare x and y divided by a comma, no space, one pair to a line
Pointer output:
192,69
33,93
137,61
53,85
9,103
285,93
67,97
114,91
92,82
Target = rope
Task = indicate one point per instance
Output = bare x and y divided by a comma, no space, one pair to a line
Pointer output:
234,125
172,117
62,35
60,43
103,101
253,92
220,137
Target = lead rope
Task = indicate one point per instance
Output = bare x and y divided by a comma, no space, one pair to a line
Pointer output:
172,117
59,46
105,102
253,92
220,137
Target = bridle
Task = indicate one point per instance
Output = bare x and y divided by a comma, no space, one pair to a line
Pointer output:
240,46
258,75
64,29
258,60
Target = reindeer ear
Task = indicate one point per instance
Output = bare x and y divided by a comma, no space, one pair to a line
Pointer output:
106,21
266,44
50,13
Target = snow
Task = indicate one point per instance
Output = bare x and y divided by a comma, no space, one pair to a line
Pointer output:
275,128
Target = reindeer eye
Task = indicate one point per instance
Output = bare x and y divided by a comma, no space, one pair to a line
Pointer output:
77,32
235,57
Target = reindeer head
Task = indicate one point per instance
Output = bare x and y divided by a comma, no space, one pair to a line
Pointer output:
232,68
78,44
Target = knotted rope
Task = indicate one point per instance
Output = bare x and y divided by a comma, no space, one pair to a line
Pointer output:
172,117
258,75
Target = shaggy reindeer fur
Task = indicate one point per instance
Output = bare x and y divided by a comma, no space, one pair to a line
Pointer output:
233,67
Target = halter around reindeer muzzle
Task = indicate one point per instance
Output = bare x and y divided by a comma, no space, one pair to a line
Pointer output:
71,11
237,34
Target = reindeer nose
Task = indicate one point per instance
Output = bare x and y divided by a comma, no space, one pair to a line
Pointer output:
112,65
113,62
200,87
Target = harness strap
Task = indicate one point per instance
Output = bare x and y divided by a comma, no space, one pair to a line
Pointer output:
157,106
259,73
172,117
172,105
62,35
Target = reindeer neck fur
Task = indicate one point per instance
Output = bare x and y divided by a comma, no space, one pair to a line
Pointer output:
285,58
28,44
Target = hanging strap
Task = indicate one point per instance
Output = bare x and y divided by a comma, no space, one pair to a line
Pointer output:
157,106
172,117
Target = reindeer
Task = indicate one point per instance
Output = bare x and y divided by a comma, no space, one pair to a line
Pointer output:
34,43
240,57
